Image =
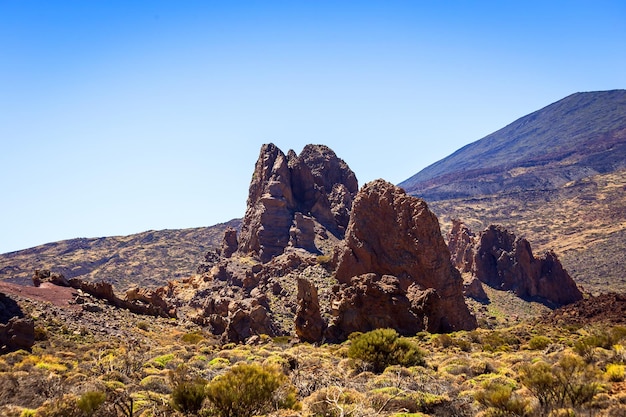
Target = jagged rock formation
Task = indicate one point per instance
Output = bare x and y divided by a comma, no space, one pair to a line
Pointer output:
392,270
391,233
460,243
309,324
506,262
289,194
16,330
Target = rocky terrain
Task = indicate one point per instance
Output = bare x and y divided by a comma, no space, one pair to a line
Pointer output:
316,259
302,294
499,259
555,177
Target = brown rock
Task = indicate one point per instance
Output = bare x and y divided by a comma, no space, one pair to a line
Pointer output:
472,287
370,302
16,330
461,243
140,301
44,275
506,262
265,229
229,243
288,193
391,233
309,324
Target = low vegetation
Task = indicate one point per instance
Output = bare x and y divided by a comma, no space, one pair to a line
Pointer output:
167,369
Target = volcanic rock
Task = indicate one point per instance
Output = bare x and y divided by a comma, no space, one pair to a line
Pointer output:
309,324
16,330
229,243
461,243
391,233
316,184
506,262
472,287
372,301
45,275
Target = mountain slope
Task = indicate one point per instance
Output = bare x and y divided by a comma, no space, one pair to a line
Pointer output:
145,259
579,136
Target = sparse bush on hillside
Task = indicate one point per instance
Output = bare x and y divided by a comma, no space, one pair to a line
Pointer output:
615,372
383,347
501,400
538,342
250,389
570,382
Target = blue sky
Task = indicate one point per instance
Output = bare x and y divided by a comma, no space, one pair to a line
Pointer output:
118,117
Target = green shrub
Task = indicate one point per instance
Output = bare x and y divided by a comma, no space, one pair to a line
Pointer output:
615,372
500,400
383,347
538,343
188,396
568,382
250,389
192,338
90,401
163,360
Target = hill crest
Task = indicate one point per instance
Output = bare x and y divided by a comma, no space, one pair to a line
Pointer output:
579,136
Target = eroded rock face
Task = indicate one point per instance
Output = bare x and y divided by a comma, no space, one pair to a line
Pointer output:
391,233
316,184
506,262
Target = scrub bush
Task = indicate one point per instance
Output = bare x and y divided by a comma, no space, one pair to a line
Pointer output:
383,347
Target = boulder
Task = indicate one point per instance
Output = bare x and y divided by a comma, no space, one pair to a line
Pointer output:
473,288
392,233
372,301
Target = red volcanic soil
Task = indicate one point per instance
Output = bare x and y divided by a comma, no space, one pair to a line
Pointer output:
59,296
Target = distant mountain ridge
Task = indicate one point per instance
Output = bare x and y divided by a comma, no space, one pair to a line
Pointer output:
579,136
147,259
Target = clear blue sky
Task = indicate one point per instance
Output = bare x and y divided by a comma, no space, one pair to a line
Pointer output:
118,117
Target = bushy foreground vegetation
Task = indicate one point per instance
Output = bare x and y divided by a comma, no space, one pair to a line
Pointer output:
172,371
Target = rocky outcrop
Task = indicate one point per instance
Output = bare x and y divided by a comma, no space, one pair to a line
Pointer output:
139,301
461,243
45,275
229,243
391,233
16,330
506,262
309,325
287,192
